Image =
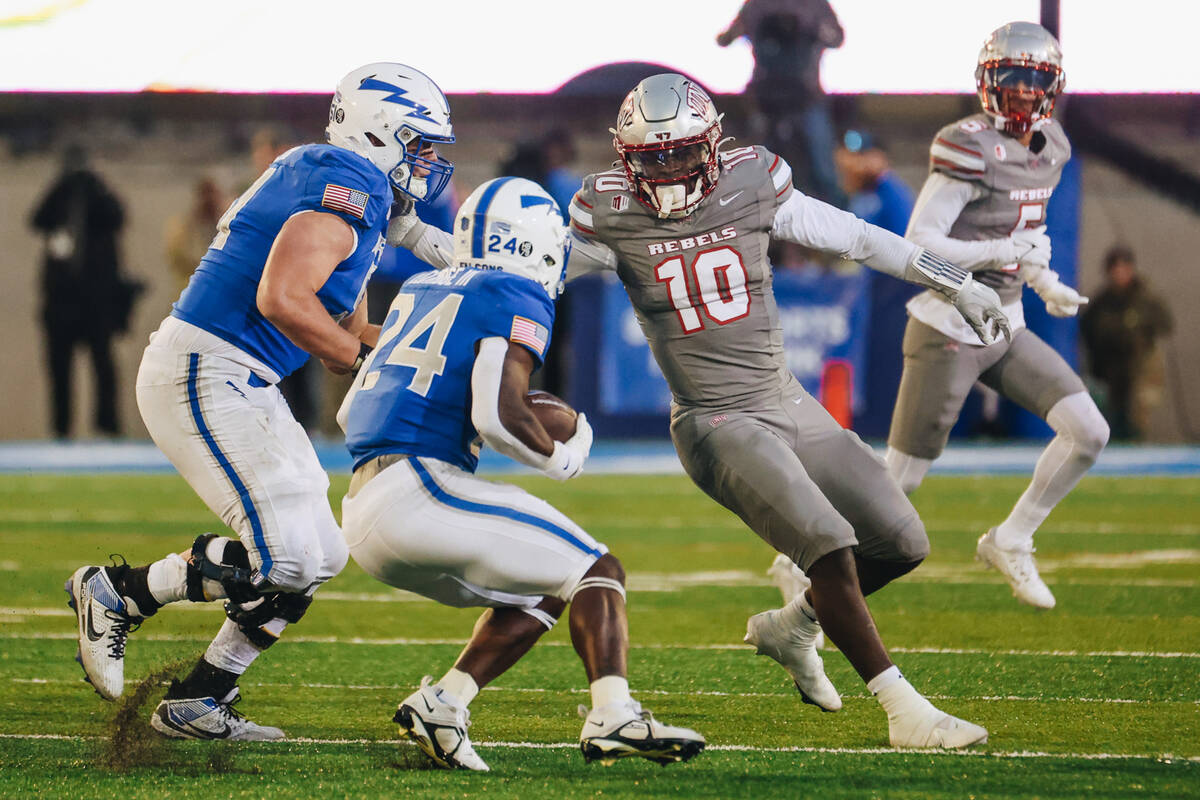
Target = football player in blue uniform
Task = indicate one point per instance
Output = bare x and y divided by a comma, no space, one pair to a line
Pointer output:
452,368
282,280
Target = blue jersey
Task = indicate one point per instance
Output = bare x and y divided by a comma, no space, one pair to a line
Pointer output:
415,397
221,295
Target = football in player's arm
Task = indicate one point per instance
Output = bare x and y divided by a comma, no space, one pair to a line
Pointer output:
688,226
451,370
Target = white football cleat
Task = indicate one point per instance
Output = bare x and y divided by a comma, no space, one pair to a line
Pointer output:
619,730
208,718
791,582
795,649
931,727
432,718
1018,568
104,623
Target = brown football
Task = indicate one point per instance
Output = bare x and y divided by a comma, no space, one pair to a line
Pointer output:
556,416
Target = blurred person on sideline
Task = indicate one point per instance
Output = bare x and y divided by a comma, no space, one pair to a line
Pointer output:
1121,330
546,161
188,234
788,38
85,300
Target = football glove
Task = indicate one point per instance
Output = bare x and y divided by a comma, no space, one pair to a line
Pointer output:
568,457
403,221
1029,247
1061,300
980,307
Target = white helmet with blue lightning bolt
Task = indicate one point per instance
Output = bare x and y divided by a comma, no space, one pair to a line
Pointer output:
392,115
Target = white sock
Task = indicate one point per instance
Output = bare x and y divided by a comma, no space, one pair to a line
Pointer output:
906,470
167,579
610,689
896,694
798,613
231,650
460,684
1081,433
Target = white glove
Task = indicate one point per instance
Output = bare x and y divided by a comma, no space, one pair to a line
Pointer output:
980,307
567,459
1061,300
1029,247
403,221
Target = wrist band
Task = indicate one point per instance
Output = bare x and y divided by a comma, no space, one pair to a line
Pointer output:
364,350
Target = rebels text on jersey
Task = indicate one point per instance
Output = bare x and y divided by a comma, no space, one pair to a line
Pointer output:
1014,183
221,295
415,393
700,285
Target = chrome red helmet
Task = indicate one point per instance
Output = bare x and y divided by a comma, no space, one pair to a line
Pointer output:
1019,75
666,137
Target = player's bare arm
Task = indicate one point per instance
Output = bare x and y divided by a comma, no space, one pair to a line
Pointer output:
305,253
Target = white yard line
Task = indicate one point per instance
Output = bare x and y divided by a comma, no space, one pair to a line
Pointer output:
396,687
732,748
715,646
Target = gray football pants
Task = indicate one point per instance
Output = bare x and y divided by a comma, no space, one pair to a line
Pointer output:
798,479
939,372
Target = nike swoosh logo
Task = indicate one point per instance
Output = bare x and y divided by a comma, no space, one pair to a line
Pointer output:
92,633
426,702
727,200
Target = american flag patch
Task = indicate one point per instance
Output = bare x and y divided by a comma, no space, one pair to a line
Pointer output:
343,198
529,333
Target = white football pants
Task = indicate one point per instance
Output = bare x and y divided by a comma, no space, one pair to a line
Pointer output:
242,451
429,527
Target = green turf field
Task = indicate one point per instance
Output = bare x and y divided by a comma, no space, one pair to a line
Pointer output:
1099,698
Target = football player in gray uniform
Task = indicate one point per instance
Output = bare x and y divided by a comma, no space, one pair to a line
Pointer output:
694,262
984,207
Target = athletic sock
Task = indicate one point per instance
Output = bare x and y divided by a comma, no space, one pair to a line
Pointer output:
896,694
798,613
166,579
610,689
130,583
205,680
459,684
231,650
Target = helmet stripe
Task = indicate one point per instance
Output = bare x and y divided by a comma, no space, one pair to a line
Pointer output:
480,221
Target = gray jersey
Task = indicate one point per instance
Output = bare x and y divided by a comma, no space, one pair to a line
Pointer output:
701,285
1015,182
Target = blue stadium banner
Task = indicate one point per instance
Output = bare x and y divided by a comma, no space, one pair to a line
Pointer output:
823,315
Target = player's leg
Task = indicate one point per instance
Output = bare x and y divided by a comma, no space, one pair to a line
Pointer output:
290,538
495,545
746,466
938,374
1037,377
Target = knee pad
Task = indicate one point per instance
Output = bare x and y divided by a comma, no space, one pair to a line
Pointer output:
228,566
912,542
262,622
1077,418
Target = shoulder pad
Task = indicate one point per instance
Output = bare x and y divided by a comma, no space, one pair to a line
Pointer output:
958,149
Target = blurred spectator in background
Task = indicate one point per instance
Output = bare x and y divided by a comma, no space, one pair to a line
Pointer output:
788,38
1121,327
874,191
85,299
546,161
189,234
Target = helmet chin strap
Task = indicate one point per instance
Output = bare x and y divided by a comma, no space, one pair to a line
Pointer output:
669,197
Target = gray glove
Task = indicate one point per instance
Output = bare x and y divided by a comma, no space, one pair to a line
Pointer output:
980,307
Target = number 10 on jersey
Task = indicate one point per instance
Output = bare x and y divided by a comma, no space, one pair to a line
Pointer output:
718,285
